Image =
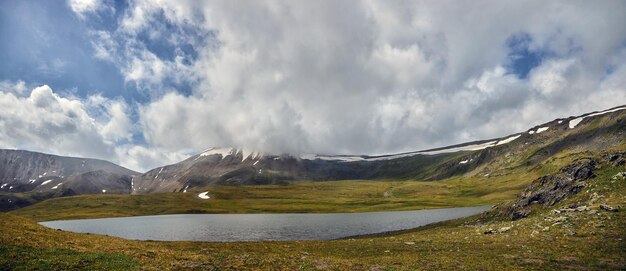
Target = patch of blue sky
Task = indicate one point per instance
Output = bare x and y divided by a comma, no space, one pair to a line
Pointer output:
106,19
173,40
522,58
45,43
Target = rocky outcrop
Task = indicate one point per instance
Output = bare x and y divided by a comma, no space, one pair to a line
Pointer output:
616,159
551,189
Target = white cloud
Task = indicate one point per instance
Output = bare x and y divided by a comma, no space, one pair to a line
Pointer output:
17,88
95,127
552,77
342,77
371,77
81,7
45,121
112,118
146,158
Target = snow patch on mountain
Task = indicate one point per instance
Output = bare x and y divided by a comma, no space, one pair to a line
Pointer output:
508,140
347,158
245,154
573,123
204,195
217,151
157,175
474,147
341,158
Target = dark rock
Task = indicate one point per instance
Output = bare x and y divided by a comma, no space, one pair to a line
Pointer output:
520,213
551,189
497,231
617,159
580,169
608,208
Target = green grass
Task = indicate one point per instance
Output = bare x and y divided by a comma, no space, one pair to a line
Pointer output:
588,240
28,258
533,243
301,197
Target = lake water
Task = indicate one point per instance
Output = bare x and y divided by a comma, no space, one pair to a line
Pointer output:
259,227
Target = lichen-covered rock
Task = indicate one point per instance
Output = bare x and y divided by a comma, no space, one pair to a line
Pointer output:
551,189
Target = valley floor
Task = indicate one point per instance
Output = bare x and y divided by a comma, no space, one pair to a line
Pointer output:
583,240
300,197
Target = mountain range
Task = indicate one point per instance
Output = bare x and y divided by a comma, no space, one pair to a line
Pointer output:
44,176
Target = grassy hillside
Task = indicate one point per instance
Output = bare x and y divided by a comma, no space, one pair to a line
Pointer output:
584,240
588,234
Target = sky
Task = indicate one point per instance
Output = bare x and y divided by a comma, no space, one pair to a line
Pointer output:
150,82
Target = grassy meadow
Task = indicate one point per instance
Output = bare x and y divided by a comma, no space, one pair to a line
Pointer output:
585,240
301,197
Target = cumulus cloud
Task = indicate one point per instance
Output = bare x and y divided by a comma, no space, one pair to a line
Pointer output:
95,127
357,76
13,87
45,121
375,77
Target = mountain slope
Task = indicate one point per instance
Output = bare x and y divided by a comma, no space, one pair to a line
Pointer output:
592,131
578,225
42,176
